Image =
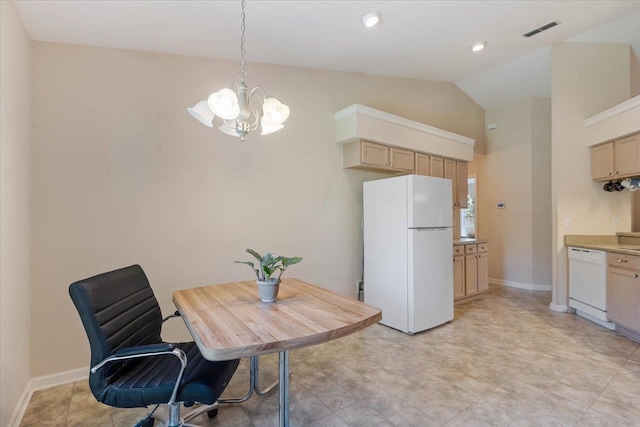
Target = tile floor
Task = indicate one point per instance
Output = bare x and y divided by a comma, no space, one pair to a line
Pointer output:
506,359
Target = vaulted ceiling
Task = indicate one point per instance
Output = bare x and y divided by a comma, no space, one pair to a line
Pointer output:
416,39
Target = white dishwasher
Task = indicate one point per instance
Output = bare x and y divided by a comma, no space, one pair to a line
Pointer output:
588,285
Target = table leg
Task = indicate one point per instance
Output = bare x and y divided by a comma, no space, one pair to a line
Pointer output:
283,372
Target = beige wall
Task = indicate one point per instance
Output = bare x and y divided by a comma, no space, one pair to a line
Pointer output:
15,210
541,222
516,171
122,174
586,78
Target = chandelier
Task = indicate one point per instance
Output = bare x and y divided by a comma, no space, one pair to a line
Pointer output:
241,110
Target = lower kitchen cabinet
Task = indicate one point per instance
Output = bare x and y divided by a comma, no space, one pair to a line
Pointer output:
458,276
483,272
470,269
623,295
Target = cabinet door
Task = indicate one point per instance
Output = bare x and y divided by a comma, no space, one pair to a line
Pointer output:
483,271
423,163
375,154
623,298
402,159
450,173
458,277
462,175
470,274
437,166
627,156
602,161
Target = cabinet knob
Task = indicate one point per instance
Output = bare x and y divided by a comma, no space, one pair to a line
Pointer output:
388,164
609,174
635,275
394,164
621,260
616,173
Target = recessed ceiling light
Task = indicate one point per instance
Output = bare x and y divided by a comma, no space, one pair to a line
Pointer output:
371,19
477,47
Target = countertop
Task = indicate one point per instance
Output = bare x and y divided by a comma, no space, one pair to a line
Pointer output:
466,240
622,243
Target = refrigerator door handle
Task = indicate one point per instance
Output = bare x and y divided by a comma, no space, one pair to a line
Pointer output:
433,229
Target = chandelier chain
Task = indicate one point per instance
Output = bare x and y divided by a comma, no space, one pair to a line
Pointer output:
243,73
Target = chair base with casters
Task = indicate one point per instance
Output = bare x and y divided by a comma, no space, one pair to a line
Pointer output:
130,364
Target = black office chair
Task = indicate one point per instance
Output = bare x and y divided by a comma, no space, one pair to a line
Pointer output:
130,364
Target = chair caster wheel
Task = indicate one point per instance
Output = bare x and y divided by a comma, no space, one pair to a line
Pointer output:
212,413
148,423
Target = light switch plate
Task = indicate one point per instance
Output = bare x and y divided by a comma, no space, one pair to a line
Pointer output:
616,223
567,222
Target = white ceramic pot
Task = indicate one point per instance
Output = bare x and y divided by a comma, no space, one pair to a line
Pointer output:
268,290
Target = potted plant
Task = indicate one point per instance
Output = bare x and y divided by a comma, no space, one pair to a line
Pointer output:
269,264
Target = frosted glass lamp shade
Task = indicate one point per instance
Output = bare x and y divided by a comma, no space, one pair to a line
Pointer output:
274,112
202,112
229,131
224,103
268,128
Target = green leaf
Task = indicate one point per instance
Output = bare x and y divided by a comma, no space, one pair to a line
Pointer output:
267,270
255,254
250,264
286,262
268,259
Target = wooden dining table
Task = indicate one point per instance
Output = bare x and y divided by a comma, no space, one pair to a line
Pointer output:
228,321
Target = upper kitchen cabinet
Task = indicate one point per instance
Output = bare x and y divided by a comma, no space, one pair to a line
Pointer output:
627,156
378,141
367,155
423,164
616,159
602,161
614,138
462,176
457,172
437,167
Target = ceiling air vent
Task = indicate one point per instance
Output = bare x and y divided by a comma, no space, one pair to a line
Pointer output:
541,29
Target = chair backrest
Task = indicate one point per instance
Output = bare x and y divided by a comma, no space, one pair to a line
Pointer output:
118,310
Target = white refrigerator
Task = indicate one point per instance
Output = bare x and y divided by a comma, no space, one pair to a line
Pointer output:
408,251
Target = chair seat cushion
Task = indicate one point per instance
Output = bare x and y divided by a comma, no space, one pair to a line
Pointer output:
150,380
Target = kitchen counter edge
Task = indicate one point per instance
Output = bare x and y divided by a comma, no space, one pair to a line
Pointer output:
602,243
467,241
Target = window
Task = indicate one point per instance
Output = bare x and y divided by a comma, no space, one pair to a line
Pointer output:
468,215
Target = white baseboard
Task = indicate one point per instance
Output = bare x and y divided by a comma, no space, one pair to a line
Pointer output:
21,408
520,285
59,378
559,308
45,381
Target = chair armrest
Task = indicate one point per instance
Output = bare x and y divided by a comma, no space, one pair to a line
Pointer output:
176,314
145,349
153,350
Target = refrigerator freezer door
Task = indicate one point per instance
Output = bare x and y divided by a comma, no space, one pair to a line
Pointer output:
430,278
430,202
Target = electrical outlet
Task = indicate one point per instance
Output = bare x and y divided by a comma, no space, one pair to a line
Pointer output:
616,223
567,222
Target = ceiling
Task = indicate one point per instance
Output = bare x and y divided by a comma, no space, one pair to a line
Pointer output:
417,39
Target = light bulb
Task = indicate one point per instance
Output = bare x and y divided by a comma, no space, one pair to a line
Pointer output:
477,47
224,103
371,19
274,112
